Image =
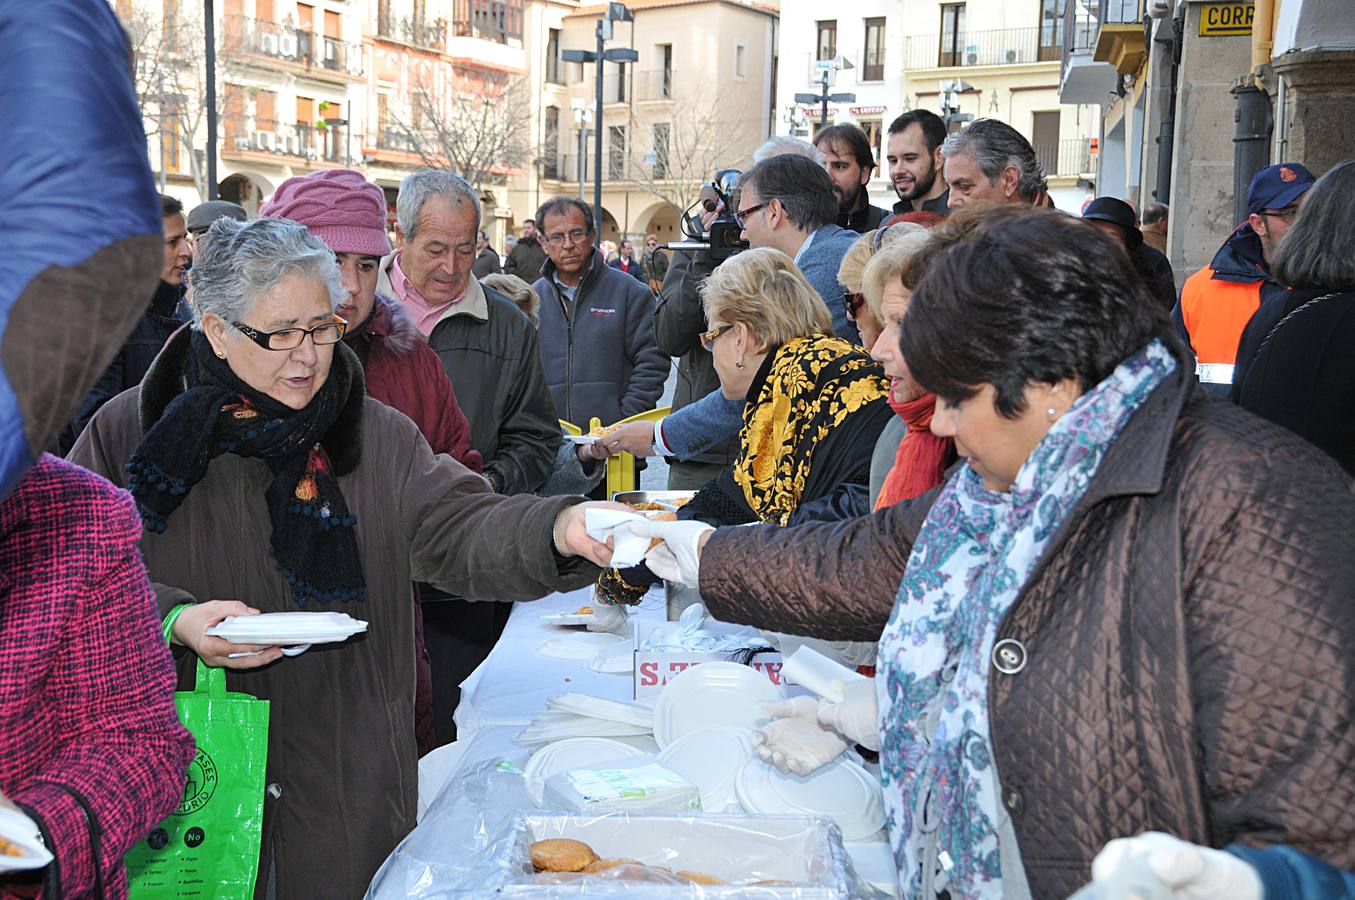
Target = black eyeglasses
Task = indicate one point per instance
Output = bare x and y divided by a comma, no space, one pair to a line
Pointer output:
291,338
1286,214
741,217
709,338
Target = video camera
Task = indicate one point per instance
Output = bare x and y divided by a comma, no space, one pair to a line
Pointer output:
721,240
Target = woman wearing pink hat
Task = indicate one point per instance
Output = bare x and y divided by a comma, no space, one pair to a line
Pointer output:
348,213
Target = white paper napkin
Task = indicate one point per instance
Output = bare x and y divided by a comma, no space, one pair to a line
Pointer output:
628,548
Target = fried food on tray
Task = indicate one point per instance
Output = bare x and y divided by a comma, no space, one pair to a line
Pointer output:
583,611
603,432
9,848
698,877
561,855
603,865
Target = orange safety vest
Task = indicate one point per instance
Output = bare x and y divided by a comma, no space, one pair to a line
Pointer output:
1215,313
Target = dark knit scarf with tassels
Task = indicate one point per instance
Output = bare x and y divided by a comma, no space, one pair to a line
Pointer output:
313,541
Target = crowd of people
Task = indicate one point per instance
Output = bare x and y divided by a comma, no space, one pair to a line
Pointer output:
1093,537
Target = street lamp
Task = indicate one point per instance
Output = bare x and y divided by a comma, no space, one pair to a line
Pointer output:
616,12
950,102
825,66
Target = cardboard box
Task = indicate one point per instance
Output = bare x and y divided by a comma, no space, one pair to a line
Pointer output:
653,668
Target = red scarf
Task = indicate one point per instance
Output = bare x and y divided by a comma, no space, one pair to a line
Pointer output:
922,457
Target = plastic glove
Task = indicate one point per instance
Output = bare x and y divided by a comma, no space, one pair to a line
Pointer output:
608,617
796,742
678,558
1156,865
857,716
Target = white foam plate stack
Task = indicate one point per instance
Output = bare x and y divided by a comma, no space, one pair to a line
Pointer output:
841,790
573,753
713,693
283,628
711,758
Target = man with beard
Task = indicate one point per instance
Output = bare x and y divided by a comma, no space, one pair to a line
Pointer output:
849,159
913,153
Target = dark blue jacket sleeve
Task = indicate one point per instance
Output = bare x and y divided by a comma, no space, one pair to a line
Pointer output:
1289,874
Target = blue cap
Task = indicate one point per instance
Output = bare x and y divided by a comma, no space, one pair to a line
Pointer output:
1275,187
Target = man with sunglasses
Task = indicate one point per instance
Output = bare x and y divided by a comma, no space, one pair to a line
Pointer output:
1218,301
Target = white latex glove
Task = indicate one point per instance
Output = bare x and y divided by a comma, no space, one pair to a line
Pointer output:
678,558
795,741
857,716
1156,865
608,617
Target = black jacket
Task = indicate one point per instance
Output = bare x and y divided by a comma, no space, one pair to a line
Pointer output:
165,314
598,350
940,205
863,220
486,263
526,260
1157,274
679,322
1303,374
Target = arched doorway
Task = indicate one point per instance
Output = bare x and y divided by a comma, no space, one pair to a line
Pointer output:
610,231
246,189
662,220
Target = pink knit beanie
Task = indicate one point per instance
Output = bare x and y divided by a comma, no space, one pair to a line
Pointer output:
339,206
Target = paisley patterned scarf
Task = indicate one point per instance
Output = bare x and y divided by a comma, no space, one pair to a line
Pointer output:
813,384
973,556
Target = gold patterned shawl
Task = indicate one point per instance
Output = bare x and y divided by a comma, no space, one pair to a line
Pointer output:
814,383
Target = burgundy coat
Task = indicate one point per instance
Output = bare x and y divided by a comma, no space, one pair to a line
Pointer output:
86,681
403,372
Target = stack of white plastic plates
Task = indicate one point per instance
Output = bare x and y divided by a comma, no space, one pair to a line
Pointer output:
288,628
713,693
568,618
602,708
841,790
582,646
711,758
575,753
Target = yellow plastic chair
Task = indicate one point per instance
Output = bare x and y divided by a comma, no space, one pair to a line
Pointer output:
621,467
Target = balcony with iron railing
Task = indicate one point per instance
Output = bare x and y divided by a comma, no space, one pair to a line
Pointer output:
1001,47
1068,157
319,54
298,140
1120,39
426,34
655,84
491,20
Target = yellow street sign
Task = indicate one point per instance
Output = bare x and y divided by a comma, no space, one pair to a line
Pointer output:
1226,19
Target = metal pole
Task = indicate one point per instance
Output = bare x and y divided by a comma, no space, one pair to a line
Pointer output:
160,105
209,20
583,153
823,113
597,143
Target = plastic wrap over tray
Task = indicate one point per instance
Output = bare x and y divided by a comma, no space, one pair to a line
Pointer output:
474,842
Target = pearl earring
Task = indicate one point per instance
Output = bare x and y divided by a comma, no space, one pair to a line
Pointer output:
1052,413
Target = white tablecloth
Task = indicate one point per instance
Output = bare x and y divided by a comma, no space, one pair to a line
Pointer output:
513,683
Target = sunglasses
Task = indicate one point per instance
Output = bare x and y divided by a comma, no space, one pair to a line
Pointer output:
709,338
854,303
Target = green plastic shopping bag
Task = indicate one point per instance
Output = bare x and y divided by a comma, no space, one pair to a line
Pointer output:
208,848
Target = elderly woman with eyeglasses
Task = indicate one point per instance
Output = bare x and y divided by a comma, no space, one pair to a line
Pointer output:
268,481
814,404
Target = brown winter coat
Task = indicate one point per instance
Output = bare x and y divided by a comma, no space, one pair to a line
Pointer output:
1187,639
341,743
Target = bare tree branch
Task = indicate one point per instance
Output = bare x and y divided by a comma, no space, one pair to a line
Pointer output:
479,132
702,138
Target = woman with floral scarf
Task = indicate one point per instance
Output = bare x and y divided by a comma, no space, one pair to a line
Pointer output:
1129,612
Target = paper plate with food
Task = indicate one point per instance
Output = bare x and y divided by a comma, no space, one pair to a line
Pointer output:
592,437
581,616
20,842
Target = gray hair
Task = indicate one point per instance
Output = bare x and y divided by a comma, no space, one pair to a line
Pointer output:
994,146
775,146
415,190
1155,213
237,261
